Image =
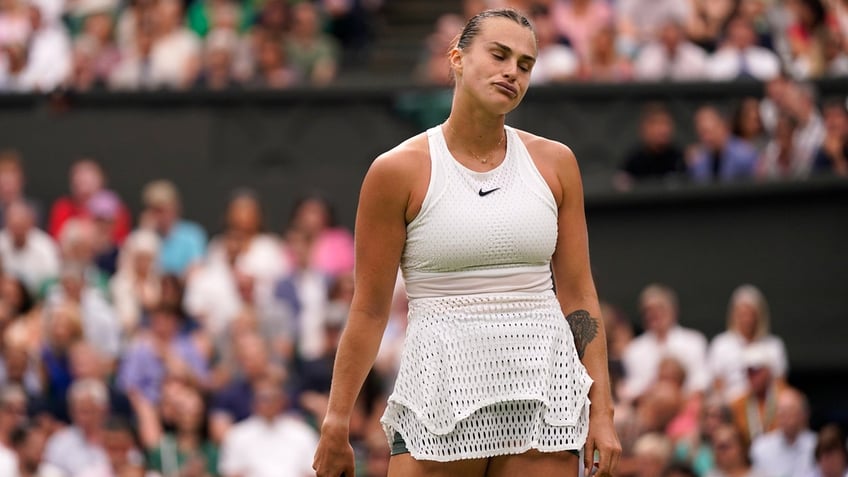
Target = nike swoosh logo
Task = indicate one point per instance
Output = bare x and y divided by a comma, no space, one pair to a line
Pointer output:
484,193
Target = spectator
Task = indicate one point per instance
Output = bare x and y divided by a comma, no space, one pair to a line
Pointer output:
332,244
272,67
134,71
663,336
175,53
579,21
19,367
13,414
205,16
653,412
719,156
87,362
800,104
807,36
831,453
12,65
835,56
312,53
161,352
731,454
832,156
104,207
639,21
14,23
12,182
97,40
48,53
748,125
78,447
671,56
708,21
780,159
789,450
186,450
120,442
555,62
219,69
656,156
63,325
270,442
739,57
754,412
28,442
136,287
696,449
605,63
653,452
433,67
26,251
86,179
747,325
183,242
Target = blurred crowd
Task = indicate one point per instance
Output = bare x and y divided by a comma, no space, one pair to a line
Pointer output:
784,135
667,40
138,345
127,45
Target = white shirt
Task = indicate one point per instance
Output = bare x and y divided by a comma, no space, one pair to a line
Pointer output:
36,262
170,57
257,448
554,62
69,451
725,360
655,63
8,462
725,64
49,60
774,456
643,355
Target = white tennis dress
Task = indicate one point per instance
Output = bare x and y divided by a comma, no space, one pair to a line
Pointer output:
489,364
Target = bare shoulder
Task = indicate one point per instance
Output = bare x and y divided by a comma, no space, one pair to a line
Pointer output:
402,159
400,176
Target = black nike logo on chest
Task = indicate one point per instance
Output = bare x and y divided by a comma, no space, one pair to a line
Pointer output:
487,192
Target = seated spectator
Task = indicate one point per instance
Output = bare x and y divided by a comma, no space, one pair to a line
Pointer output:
656,156
87,362
670,56
104,207
739,56
653,452
605,63
161,352
185,450
652,413
63,329
133,71
97,39
25,250
120,442
730,449
272,68
807,35
800,104
79,447
86,179
747,325
183,242
696,449
13,414
205,16
312,53
175,52
555,62
271,442
754,413
835,56
708,21
28,442
332,250
832,156
663,336
12,184
219,70
719,156
20,367
790,448
579,21
136,287
14,23
748,125
433,67
831,453
48,62
781,159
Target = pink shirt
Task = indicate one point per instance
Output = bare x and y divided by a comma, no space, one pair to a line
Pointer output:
580,28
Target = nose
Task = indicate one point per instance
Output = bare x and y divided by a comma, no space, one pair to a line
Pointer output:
510,70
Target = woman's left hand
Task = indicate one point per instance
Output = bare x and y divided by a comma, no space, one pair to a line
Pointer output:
602,439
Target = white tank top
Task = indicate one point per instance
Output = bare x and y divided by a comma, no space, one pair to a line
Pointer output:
481,232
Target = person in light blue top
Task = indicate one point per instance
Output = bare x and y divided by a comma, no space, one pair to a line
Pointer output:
719,156
183,242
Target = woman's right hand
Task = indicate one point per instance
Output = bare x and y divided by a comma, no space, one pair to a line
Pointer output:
334,456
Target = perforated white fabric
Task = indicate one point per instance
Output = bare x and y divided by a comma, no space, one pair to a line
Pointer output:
489,365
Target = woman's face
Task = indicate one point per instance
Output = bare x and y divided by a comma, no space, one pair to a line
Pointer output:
727,449
494,69
190,412
745,319
244,215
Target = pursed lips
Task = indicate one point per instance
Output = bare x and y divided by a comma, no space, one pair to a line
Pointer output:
512,90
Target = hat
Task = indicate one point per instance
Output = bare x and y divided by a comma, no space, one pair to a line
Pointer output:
160,192
104,205
757,356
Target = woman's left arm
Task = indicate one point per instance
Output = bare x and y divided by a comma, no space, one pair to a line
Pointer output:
579,301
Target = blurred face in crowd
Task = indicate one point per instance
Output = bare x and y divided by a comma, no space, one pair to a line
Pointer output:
16,361
657,130
12,292
305,20
119,445
252,355
670,35
99,27
19,221
87,413
745,319
658,313
13,411
169,15
86,179
791,413
268,399
750,124
759,379
312,217
300,248
740,34
164,324
11,182
713,416
833,463
64,326
728,449
190,411
31,450
86,361
836,121
245,215
143,261
711,128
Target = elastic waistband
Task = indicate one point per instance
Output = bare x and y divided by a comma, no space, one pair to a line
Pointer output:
528,279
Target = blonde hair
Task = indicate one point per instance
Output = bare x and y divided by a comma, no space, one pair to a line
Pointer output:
751,295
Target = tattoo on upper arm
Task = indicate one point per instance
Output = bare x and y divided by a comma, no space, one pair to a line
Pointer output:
584,328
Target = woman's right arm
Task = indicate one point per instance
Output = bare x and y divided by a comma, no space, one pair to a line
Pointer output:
379,241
